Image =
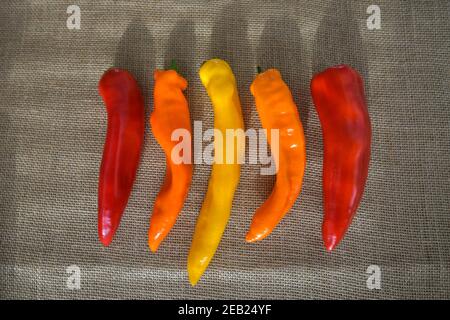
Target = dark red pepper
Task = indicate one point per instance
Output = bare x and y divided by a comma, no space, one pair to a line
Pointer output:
123,144
338,94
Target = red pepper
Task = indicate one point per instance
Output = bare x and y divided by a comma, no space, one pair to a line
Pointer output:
123,144
338,94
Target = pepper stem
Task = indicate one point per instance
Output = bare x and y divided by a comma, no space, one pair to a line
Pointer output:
173,65
258,69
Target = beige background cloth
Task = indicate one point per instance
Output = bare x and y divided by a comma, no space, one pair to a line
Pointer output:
53,123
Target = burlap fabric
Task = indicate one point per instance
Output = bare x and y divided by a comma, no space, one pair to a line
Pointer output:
53,126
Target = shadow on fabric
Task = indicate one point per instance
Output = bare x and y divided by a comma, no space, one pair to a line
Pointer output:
339,40
181,48
229,41
13,25
8,212
135,53
281,47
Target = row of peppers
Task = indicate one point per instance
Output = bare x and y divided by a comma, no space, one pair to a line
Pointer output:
338,94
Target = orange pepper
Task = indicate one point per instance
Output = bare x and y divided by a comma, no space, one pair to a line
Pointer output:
277,110
170,113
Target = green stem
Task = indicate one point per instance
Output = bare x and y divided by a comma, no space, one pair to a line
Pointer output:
173,65
258,69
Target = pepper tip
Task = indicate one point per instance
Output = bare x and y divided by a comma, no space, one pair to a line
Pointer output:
106,241
253,236
249,238
154,240
330,242
153,246
193,278
106,234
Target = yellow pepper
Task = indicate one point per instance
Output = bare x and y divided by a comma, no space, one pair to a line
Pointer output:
220,83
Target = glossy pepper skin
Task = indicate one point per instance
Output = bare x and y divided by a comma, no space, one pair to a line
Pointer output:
277,110
170,113
220,83
125,134
338,94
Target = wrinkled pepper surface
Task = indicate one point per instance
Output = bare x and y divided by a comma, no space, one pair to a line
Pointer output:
277,110
220,83
338,94
170,113
125,134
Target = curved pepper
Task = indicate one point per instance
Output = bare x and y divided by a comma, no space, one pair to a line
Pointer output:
338,94
220,83
277,110
170,113
121,153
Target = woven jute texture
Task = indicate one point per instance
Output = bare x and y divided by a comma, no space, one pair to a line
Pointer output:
53,125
